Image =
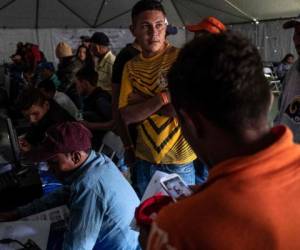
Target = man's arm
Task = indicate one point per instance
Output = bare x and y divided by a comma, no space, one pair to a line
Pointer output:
115,99
109,125
57,198
141,111
86,216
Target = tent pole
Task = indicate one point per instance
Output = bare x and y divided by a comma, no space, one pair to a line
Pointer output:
37,8
74,13
99,13
178,12
114,17
239,10
214,8
7,4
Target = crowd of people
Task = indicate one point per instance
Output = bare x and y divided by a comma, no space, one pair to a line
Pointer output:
191,111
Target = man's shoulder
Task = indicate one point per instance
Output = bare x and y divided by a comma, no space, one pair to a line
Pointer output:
178,212
126,54
93,172
178,223
110,57
60,95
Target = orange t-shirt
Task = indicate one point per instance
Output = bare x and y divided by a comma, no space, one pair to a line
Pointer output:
249,202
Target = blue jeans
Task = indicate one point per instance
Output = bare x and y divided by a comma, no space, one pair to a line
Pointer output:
142,172
201,171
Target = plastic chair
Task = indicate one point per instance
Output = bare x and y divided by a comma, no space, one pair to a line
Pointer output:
274,82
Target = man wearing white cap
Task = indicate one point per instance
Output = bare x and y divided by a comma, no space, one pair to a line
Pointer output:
289,102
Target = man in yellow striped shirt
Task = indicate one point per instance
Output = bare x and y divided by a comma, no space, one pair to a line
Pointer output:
144,99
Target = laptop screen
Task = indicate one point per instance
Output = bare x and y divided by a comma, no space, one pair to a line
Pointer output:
9,146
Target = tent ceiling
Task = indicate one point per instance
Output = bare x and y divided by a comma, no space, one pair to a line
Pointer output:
116,13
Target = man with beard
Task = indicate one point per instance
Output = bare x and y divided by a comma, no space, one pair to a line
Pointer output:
289,102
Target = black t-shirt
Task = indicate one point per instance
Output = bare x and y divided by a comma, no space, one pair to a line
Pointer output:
98,103
126,54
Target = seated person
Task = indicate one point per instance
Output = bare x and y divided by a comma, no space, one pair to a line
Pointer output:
47,87
66,69
97,107
96,101
47,71
41,113
250,200
101,201
284,66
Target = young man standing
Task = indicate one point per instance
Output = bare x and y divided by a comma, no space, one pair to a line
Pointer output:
144,99
100,48
250,200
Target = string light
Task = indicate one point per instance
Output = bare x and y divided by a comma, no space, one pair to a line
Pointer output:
255,21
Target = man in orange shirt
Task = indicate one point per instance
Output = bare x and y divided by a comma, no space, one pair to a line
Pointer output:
250,200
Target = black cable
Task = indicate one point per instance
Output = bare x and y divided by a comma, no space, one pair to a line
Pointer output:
8,241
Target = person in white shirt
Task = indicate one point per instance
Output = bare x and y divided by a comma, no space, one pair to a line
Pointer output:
47,87
100,49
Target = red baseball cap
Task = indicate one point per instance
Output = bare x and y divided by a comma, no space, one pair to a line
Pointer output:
210,24
144,212
65,137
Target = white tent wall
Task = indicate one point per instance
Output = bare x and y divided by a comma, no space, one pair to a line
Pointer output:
47,39
270,38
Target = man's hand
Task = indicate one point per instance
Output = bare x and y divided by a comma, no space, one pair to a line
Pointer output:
24,145
167,110
9,216
99,125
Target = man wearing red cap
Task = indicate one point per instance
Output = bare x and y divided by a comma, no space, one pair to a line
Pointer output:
101,201
214,26
289,101
99,44
208,24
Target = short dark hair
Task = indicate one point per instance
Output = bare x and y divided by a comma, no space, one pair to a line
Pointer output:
48,85
30,96
221,76
88,74
287,56
144,5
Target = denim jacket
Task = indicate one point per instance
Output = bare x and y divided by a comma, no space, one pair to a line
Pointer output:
102,205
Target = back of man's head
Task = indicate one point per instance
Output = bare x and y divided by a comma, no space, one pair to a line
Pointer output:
48,86
145,5
221,77
29,97
88,74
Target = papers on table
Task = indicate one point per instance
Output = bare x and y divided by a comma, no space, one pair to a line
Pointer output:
52,215
154,186
37,231
35,227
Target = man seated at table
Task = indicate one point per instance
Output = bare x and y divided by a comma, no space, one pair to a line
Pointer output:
101,201
41,113
47,87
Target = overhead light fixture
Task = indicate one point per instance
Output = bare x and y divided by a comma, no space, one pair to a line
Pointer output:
255,21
